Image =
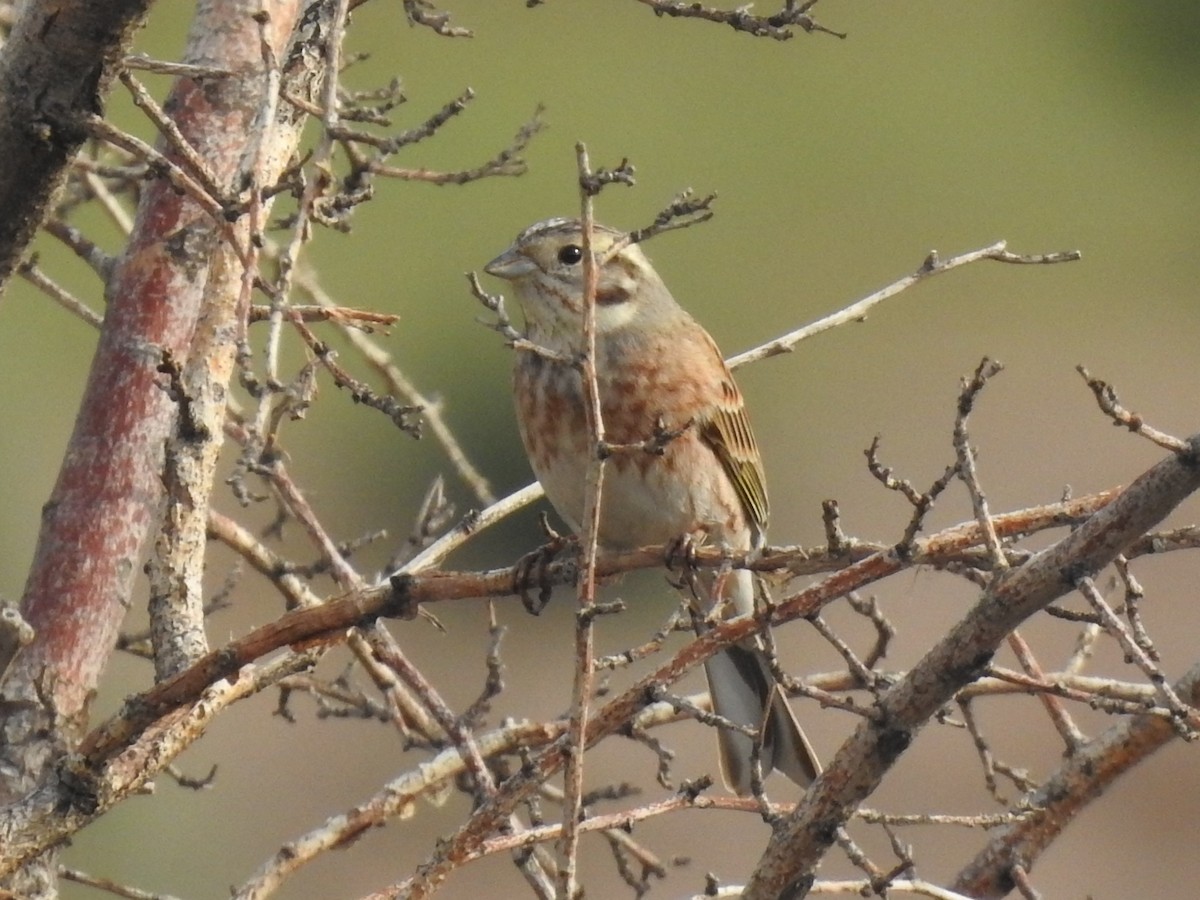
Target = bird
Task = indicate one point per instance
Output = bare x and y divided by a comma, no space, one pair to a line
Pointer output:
658,372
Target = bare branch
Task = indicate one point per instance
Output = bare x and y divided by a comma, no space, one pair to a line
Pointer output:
174,69
170,131
30,272
1134,653
179,179
585,651
508,162
778,26
45,818
798,845
56,69
423,12
1081,778
857,312
1106,397
986,370
15,635
109,886
684,211
400,385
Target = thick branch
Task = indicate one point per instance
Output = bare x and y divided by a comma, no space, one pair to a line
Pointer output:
108,487
620,710
50,815
331,620
802,839
1081,778
55,70
177,565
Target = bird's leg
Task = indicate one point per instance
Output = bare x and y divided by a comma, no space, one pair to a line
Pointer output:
681,553
723,606
703,589
709,591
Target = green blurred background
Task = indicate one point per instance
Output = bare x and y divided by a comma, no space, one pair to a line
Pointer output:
839,165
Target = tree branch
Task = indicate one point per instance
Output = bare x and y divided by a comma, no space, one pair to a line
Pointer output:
802,838
55,71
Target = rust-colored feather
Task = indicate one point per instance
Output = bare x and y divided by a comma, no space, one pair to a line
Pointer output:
655,363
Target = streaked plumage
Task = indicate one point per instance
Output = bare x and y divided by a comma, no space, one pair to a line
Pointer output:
654,363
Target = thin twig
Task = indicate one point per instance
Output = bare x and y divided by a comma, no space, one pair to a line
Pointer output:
178,178
170,131
581,696
1106,397
86,249
30,272
967,473
399,384
174,69
777,26
108,201
78,876
1134,653
423,12
1072,737
857,312
1134,594
472,524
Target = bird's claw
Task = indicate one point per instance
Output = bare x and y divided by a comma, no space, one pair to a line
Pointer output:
681,554
533,570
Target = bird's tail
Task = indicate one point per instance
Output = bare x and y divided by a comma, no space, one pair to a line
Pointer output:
744,691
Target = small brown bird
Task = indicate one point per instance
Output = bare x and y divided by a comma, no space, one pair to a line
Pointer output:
656,366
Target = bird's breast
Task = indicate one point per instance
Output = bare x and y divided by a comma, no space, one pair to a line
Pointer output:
648,497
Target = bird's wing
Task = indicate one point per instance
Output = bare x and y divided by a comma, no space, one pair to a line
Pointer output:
727,431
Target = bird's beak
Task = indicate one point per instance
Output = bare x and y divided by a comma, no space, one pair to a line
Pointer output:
510,265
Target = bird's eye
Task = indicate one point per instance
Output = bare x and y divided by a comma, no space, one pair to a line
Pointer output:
570,254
